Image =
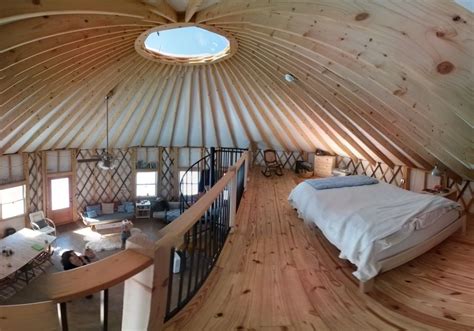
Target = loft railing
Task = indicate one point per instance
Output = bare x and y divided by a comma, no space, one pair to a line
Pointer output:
153,293
204,173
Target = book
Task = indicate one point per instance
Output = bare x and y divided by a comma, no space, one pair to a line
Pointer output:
38,247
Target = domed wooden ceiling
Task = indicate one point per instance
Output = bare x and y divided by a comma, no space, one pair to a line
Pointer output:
387,81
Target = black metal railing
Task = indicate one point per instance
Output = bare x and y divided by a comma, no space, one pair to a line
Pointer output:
204,173
198,255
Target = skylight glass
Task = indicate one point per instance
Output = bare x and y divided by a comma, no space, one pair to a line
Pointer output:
187,42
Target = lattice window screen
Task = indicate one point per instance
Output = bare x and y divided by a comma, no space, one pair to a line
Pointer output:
35,181
380,171
168,178
287,159
95,185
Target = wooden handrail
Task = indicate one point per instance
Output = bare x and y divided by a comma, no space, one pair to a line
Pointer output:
97,276
173,233
147,284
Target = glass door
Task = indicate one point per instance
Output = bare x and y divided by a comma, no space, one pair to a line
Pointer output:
60,199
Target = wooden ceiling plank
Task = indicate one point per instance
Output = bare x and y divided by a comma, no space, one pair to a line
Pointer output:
77,100
249,106
317,119
277,94
224,80
54,45
166,105
147,105
208,95
410,125
191,9
332,65
11,12
53,101
263,107
59,26
329,103
225,111
122,104
29,84
55,84
191,109
96,121
91,103
134,113
322,112
180,96
88,105
164,82
363,107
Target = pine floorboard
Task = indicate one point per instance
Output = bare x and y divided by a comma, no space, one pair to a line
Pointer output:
275,272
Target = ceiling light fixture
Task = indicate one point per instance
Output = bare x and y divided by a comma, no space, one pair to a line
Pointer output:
107,160
290,77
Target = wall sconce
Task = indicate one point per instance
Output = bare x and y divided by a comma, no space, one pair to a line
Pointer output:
436,172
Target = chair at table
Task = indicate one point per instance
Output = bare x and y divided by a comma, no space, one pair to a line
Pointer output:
40,223
271,163
42,258
27,272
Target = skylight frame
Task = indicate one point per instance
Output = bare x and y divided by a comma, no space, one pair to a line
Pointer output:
193,60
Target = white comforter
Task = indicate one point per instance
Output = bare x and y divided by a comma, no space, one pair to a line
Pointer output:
354,218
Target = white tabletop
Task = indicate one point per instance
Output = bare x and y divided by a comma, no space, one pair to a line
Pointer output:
21,243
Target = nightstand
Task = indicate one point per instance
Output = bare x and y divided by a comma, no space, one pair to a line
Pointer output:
143,209
451,194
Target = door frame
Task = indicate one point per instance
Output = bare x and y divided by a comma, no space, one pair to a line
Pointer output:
48,211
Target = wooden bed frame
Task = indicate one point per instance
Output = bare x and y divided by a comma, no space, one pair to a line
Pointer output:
411,253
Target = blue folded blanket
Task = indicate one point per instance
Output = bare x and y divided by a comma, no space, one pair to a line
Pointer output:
338,182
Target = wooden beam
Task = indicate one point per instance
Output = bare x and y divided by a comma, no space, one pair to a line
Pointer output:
191,9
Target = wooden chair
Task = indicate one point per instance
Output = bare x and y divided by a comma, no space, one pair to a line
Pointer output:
27,272
42,258
272,165
40,223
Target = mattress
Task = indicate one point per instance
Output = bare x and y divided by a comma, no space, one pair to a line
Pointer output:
415,237
369,223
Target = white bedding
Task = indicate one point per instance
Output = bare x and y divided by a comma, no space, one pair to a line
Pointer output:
355,218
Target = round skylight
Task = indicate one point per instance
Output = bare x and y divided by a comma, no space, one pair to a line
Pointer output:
185,44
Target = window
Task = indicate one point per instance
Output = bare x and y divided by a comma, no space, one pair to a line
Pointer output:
189,182
12,201
60,193
187,42
146,183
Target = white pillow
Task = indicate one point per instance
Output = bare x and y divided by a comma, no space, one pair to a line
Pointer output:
107,208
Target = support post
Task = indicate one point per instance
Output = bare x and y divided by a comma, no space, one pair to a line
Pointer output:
212,166
104,309
233,198
247,166
26,175
145,294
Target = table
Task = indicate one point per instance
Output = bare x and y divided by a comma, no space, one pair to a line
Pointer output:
108,228
21,243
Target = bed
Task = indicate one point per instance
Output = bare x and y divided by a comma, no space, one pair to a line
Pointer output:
376,226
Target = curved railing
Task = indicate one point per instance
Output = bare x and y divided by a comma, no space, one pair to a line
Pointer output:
156,286
204,173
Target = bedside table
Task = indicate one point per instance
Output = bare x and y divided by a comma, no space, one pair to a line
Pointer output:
451,194
143,209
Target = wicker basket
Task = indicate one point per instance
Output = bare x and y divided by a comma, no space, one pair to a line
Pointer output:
305,173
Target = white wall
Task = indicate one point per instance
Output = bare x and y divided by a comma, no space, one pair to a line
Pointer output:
16,222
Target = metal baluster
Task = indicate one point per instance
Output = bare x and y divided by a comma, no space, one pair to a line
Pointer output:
62,315
104,309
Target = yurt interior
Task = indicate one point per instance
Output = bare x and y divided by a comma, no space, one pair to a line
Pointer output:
236,165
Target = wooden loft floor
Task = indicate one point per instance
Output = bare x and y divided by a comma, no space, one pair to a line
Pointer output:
275,272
